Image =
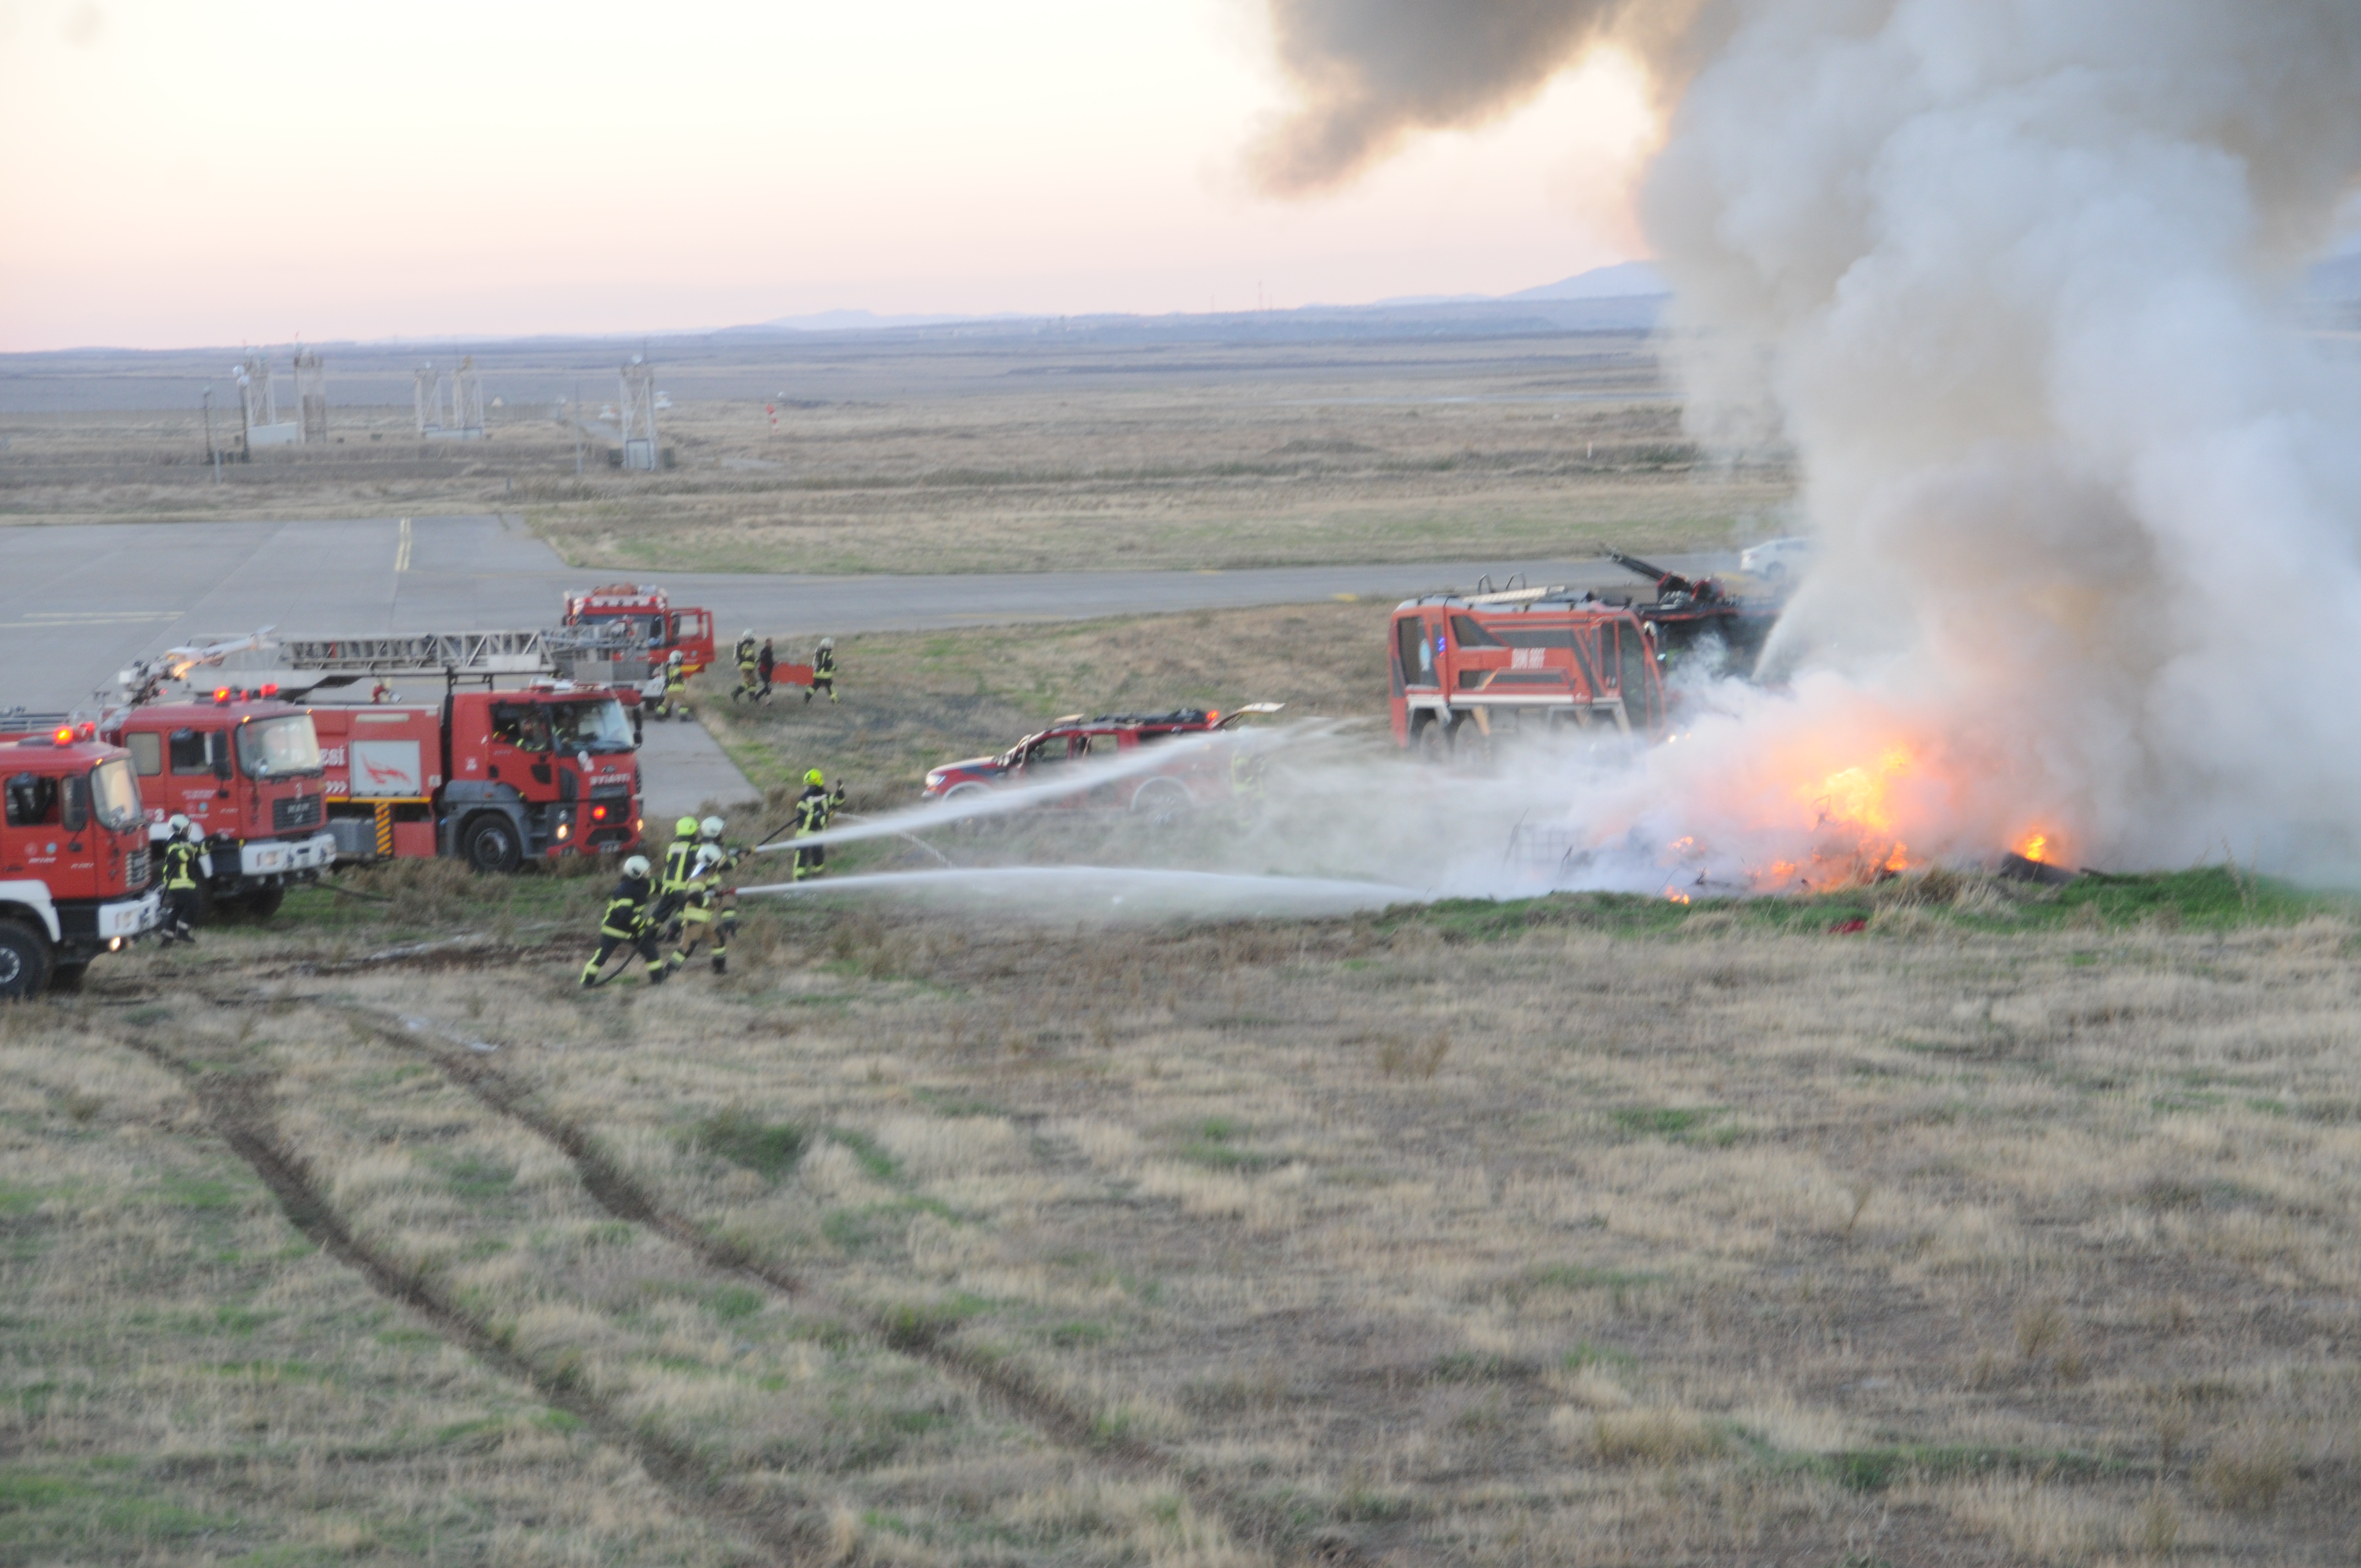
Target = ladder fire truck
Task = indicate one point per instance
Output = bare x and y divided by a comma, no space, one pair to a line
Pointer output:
74,867
1464,666
494,777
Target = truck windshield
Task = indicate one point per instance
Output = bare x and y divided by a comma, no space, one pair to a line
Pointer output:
268,748
595,726
114,791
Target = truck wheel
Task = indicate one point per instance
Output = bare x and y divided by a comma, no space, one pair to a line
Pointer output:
491,844
264,902
24,962
1432,739
969,793
1161,802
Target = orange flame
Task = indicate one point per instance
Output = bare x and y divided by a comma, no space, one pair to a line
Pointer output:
2036,847
1676,896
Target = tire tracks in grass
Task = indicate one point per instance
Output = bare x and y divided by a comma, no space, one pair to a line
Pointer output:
236,1107
1015,1390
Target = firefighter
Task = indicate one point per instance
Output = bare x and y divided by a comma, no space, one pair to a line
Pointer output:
184,861
724,897
695,891
814,808
746,687
629,923
823,669
766,666
679,867
675,687
697,911
1245,782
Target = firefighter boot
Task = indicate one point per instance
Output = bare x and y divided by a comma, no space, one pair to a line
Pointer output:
590,974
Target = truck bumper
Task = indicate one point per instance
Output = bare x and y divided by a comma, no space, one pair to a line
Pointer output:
287,857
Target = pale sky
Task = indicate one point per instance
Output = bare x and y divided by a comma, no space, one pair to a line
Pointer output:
250,171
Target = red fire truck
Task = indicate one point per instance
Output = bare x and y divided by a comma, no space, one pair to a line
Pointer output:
495,777
654,620
1466,665
245,769
74,867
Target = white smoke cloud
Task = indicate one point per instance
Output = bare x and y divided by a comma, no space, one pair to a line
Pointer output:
2013,280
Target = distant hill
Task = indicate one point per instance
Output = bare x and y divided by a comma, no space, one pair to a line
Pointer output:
1624,280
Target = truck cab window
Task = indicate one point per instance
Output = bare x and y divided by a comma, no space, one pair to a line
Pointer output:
1471,635
146,749
1417,659
32,800
523,727
193,751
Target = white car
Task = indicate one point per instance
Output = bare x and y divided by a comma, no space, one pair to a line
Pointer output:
1775,559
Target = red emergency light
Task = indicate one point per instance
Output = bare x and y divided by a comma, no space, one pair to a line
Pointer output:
64,737
270,689
220,696
598,814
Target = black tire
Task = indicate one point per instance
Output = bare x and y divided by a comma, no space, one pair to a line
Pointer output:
491,844
67,978
1161,802
24,962
1432,741
264,902
974,793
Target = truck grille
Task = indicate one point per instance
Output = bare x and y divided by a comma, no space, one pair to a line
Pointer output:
135,868
302,811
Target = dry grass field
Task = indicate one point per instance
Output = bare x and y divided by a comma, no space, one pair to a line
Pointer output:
2019,1227
1009,459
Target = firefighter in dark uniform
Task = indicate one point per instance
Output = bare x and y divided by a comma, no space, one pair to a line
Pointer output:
746,686
823,669
184,861
675,687
630,922
814,808
766,666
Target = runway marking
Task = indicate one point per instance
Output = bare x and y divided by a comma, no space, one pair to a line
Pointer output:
401,554
65,617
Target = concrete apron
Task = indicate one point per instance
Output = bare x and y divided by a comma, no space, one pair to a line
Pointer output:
683,770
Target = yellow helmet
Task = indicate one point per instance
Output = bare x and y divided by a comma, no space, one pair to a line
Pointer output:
685,829
813,777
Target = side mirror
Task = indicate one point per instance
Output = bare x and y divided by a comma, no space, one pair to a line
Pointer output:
221,766
76,814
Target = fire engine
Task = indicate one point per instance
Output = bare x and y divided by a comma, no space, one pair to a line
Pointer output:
245,768
1192,777
652,619
493,776
1466,665
74,866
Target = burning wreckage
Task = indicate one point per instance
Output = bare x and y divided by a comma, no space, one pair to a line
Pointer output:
1472,672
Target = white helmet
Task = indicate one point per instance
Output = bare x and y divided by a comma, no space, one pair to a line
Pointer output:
827,641
179,824
636,866
747,633
675,657
708,857
711,827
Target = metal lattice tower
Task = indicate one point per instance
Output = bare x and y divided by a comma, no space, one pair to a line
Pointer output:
428,398
312,395
466,400
638,404
254,387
